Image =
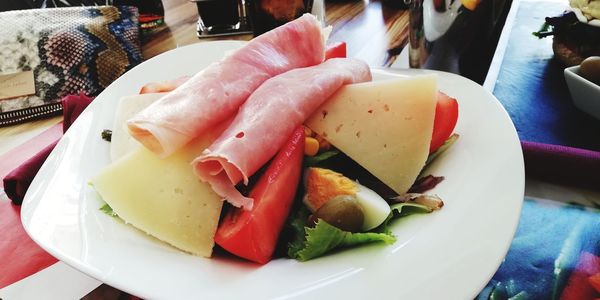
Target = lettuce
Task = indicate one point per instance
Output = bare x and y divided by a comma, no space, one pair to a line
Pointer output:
311,161
445,146
408,208
324,238
311,242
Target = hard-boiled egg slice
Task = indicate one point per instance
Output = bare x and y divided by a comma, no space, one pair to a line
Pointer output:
322,185
375,208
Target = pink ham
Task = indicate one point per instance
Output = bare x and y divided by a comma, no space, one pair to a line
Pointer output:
163,86
216,93
267,119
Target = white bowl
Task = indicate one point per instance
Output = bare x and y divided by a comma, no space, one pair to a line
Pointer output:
585,94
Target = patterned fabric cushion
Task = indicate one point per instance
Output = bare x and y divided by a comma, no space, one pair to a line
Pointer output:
70,51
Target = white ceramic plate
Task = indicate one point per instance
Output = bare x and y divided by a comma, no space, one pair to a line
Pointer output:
450,254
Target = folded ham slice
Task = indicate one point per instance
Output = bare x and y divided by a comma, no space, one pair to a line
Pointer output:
267,119
216,93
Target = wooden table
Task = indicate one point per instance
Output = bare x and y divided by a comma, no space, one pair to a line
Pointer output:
371,29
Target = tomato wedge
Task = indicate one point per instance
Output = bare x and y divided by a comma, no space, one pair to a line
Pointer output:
336,50
253,234
446,115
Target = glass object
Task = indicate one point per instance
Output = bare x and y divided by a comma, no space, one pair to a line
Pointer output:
268,14
222,17
152,13
457,36
398,4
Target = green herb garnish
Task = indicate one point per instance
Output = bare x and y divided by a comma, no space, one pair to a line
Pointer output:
108,210
107,135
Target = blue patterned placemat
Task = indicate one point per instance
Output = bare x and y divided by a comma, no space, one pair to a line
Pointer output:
555,255
532,88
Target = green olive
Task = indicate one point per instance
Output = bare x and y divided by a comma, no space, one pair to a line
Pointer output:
590,69
343,212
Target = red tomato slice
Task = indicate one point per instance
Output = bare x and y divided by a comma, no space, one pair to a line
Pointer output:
595,281
336,50
446,115
253,234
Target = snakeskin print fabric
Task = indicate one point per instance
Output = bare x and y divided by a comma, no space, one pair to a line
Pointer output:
68,3
70,50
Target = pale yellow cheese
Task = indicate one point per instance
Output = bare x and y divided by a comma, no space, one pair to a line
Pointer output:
385,126
122,142
163,197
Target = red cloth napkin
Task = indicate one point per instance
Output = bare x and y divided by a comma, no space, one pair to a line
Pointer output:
17,182
73,106
21,257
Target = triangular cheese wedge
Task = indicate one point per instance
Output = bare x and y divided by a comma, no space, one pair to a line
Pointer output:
122,142
163,197
385,126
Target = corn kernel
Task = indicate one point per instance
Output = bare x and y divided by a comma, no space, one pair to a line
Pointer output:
324,145
311,146
308,131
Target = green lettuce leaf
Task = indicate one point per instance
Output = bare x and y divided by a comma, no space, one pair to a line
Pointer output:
308,243
312,161
445,146
324,238
400,210
296,224
408,208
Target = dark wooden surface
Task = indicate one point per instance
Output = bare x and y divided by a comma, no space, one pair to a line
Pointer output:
371,29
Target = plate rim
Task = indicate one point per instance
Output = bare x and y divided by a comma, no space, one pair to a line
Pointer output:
77,264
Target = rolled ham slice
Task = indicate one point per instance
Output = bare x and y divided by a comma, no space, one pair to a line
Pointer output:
163,86
267,119
216,93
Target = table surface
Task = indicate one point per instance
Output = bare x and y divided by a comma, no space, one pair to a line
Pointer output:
372,31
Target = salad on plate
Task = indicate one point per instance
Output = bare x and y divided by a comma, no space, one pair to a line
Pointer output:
285,147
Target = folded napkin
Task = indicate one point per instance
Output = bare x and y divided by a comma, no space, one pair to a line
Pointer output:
17,181
73,106
555,255
572,166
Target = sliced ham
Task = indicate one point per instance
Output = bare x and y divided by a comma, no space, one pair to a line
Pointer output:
267,119
216,93
164,86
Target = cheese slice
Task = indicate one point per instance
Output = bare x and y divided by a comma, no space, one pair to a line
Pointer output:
385,126
163,197
121,141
